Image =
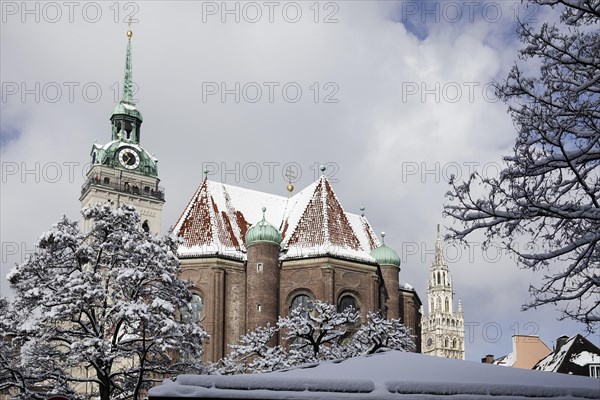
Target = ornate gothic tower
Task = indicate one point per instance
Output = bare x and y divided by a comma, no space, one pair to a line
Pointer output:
121,170
443,329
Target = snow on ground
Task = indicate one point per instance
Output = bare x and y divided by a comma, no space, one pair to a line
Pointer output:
383,376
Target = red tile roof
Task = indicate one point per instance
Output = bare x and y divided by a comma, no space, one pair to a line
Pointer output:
312,222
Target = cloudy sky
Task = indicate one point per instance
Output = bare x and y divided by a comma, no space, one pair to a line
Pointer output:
393,97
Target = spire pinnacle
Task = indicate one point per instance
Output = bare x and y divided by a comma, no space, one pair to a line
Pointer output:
128,80
382,238
439,257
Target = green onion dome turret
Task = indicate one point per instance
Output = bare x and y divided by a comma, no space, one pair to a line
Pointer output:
263,232
385,255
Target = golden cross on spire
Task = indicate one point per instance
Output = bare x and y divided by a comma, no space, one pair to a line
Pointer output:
129,32
290,175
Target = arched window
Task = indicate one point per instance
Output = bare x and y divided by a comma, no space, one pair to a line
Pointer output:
145,226
195,309
446,305
438,278
446,342
347,301
301,300
454,343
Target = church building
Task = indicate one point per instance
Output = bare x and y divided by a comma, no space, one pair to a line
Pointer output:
252,256
443,329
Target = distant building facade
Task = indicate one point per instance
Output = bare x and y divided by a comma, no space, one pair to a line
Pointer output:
443,329
527,351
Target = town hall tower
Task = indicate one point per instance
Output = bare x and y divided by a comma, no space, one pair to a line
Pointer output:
443,329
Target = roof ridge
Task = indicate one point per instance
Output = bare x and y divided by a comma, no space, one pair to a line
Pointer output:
324,209
304,211
343,217
185,213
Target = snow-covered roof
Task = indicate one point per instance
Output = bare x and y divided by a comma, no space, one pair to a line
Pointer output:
574,350
383,376
507,360
312,223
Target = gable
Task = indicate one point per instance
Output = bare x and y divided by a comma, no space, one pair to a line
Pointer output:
312,223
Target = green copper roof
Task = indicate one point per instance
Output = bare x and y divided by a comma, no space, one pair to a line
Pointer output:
385,255
127,109
262,232
127,104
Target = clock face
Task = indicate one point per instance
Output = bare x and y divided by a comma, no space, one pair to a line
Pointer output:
129,158
429,342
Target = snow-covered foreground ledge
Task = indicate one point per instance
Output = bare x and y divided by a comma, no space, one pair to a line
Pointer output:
386,375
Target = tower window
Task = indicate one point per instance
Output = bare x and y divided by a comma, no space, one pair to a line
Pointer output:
258,308
454,343
146,226
447,305
446,342
106,180
259,267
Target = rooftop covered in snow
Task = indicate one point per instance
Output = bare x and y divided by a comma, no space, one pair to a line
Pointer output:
312,223
385,375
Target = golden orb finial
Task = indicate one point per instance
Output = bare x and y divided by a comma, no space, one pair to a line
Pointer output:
129,34
290,187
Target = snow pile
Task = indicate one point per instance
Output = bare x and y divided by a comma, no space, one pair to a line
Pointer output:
383,376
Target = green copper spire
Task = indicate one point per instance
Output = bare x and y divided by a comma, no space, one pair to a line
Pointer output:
127,104
128,81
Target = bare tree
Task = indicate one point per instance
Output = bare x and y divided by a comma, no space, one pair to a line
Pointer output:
548,194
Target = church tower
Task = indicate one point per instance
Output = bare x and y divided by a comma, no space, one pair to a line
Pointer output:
443,329
122,171
263,242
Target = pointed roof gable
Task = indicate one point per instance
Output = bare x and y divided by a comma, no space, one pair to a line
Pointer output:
323,227
575,353
311,223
